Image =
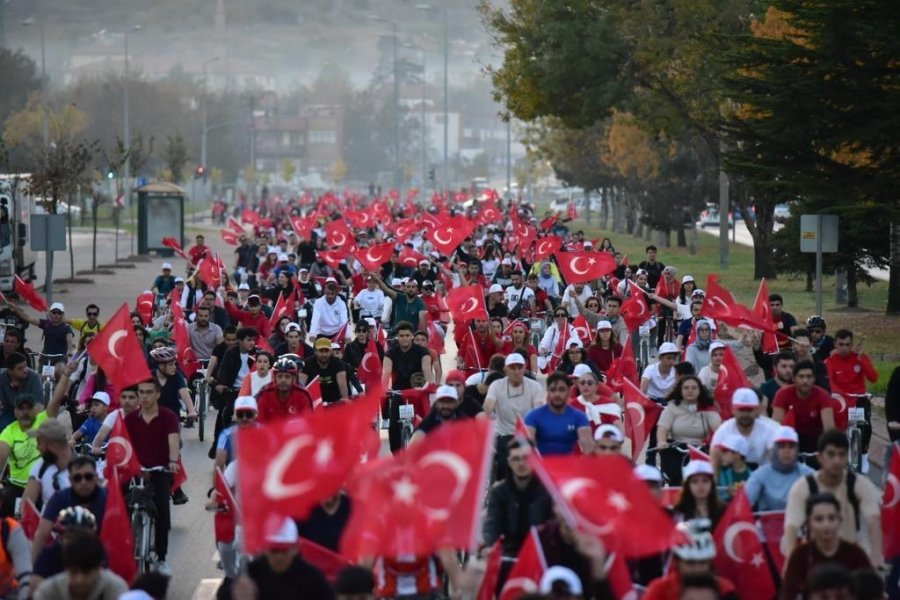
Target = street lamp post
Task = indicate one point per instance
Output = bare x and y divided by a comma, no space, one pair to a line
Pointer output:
446,178
205,128
126,134
28,23
397,174
422,113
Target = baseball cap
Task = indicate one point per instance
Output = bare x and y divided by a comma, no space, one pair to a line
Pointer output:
506,261
371,322
101,397
446,391
323,344
604,325
589,244
424,261
303,270
283,258
575,343
166,266
245,403
609,431
736,443
581,370
495,288
291,327
253,300
514,359
667,348
244,286
286,536
22,398
57,306
335,346
698,292
51,430
427,283
648,473
744,398
557,574
456,376
786,433
396,281
716,346
697,467
179,280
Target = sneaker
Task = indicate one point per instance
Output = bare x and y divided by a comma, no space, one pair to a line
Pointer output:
163,568
865,463
179,497
212,453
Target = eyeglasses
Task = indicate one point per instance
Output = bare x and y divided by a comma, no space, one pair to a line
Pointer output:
56,312
85,477
93,314
244,414
561,315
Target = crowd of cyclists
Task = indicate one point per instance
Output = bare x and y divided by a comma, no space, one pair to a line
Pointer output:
287,328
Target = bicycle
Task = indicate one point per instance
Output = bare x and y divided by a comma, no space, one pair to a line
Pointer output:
856,416
538,327
201,397
48,372
143,514
406,412
643,357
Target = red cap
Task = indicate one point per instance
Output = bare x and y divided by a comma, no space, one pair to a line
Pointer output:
456,376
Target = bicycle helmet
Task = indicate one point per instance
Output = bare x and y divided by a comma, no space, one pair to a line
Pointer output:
815,322
699,545
164,354
285,365
76,517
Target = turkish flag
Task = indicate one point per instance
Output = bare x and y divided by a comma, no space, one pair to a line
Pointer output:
731,377
370,365
250,216
225,519
623,367
172,243
635,310
361,219
424,498
187,360
314,389
771,525
179,478
289,466
641,415
143,304
890,511
121,459
571,211
525,575
31,518
721,305
210,272
282,307
435,337
695,453
761,310
601,496
118,352
740,556
410,258
525,233
583,330
619,576
489,214
235,226
338,234
333,258
546,246
303,226
548,223
491,578
329,562
447,236
27,292
229,237
467,303
115,533
373,257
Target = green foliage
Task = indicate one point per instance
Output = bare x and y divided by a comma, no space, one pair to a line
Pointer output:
175,157
20,79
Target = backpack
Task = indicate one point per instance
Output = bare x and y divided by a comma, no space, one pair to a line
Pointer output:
851,492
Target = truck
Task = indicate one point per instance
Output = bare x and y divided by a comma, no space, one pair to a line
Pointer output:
16,207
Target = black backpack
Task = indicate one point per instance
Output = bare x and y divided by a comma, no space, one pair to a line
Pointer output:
850,481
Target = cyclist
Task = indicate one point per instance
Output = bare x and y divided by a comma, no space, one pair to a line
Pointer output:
657,381
444,409
330,370
653,267
175,393
667,288
690,559
18,378
164,283
811,406
400,363
13,341
71,522
230,373
421,338
783,375
293,343
284,397
155,437
252,317
128,399
768,486
18,447
848,370
822,344
84,575
555,426
85,492
750,423
605,349
406,306
689,417
90,324
59,339
329,314
199,250
204,335
577,291
369,302
246,410
260,377
48,475
520,299
698,353
785,323
356,349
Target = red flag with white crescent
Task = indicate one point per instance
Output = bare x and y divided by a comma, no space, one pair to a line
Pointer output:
731,377
740,556
525,575
230,237
172,243
370,365
373,257
27,292
641,415
118,352
763,312
144,306
580,267
890,507
467,303
121,459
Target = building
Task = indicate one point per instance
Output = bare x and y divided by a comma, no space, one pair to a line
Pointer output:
312,139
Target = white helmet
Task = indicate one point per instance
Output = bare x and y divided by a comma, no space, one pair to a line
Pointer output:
700,545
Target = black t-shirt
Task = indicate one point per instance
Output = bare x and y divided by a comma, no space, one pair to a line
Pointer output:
499,310
654,271
405,364
55,341
301,581
433,419
325,529
169,395
327,377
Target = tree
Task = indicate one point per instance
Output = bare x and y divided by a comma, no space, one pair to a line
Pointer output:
175,156
20,80
338,171
288,170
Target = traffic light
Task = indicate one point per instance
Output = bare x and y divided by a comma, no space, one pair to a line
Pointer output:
111,174
200,172
431,175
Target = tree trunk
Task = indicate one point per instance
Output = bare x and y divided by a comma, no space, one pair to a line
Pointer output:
852,293
604,209
893,302
682,238
810,280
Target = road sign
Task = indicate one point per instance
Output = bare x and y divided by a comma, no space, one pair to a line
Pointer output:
48,232
810,226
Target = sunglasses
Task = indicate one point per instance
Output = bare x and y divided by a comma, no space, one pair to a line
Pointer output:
561,315
244,414
93,314
55,312
79,477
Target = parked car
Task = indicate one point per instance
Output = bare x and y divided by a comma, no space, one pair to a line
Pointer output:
710,218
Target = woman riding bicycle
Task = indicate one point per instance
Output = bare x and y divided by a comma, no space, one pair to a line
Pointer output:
699,499
519,340
595,399
698,352
689,418
604,349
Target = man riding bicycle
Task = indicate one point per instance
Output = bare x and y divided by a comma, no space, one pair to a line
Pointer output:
284,397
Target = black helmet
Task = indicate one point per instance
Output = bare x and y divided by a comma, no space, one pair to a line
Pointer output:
815,322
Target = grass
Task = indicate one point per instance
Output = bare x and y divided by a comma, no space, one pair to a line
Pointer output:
868,320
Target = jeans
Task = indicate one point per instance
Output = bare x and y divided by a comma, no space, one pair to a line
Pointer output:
162,489
866,428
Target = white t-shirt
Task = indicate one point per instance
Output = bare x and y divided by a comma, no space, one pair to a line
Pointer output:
569,303
370,303
659,386
243,371
52,480
513,295
760,438
111,418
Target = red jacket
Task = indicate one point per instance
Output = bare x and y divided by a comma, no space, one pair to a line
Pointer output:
260,322
848,374
272,408
669,588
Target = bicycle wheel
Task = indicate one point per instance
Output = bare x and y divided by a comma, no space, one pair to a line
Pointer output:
855,449
141,552
201,410
406,432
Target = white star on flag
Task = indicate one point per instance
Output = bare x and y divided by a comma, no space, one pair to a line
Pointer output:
405,490
619,502
757,561
324,453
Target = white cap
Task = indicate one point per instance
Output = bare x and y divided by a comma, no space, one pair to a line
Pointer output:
286,534
506,261
667,348
396,281
697,467
179,280
786,433
330,280
101,397
560,573
716,346
648,473
589,244
609,431
58,306
744,398
371,322
166,266
244,286
686,279
604,325
581,370
514,359
245,403
291,327
335,346
736,443
283,258
495,288
446,391
424,261
698,292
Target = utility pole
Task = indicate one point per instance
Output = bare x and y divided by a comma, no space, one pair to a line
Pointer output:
203,155
126,142
426,7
